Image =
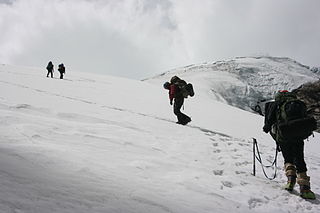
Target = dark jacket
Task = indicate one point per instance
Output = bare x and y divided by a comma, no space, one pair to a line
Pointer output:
50,67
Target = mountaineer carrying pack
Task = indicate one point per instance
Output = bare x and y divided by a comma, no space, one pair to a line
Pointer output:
292,118
186,89
178,91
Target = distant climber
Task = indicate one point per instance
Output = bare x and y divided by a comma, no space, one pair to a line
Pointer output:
178,91
62,70
50,69
288,123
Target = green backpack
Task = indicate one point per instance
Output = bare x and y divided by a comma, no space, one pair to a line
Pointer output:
293,122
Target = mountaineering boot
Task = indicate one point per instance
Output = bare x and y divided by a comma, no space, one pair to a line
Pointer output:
291,182
184,121
291,174
304,182
306,193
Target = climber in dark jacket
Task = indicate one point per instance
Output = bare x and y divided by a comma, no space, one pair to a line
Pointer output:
50,69
62,70
176,98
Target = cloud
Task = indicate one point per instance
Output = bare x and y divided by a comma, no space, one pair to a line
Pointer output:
224,29
140,38
6,1
126,38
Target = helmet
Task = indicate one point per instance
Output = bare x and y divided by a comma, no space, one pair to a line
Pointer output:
166,85
282,93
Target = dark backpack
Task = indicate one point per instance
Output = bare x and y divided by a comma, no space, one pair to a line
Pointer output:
61,68
292,118
185,89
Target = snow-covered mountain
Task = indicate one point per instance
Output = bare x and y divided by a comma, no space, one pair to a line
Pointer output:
92,143
243,81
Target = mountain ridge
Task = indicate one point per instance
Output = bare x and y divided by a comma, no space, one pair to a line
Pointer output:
254,78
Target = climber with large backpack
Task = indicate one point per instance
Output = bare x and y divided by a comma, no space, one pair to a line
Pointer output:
62,70
178,91
289,124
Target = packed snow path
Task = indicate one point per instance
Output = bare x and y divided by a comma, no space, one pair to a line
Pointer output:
105,144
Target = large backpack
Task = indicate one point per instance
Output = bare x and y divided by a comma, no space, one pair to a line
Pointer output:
62,68
185,89
292,119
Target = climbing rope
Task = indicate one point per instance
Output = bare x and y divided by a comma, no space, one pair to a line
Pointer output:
259,159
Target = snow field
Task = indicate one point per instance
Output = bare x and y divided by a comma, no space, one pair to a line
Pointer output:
92,143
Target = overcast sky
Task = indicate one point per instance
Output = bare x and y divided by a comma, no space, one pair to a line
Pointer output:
141,38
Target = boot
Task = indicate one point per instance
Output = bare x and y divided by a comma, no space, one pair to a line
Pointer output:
291,182
290,170
305,190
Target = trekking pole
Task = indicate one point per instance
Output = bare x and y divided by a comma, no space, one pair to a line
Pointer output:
254,156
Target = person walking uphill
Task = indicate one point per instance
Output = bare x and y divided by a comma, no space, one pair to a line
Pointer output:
62,70
178,91
50,69
288,123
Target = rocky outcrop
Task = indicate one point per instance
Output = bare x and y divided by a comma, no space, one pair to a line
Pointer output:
310,94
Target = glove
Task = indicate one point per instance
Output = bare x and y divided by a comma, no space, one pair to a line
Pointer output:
266,128
170,102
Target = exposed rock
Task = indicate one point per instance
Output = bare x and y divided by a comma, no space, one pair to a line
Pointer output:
310,94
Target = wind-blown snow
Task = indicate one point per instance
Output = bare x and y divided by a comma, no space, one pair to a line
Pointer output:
93,143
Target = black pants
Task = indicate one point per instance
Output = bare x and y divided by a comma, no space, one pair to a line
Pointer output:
61,75
50,72
293,153
182,118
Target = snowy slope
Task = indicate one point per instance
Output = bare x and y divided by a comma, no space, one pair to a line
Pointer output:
92,143
243,81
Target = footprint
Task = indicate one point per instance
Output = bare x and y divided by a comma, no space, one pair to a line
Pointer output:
240,172
217,151
243,183
243,163
254,202
243,144
218,172
214,144
227,184
23,106
36,136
